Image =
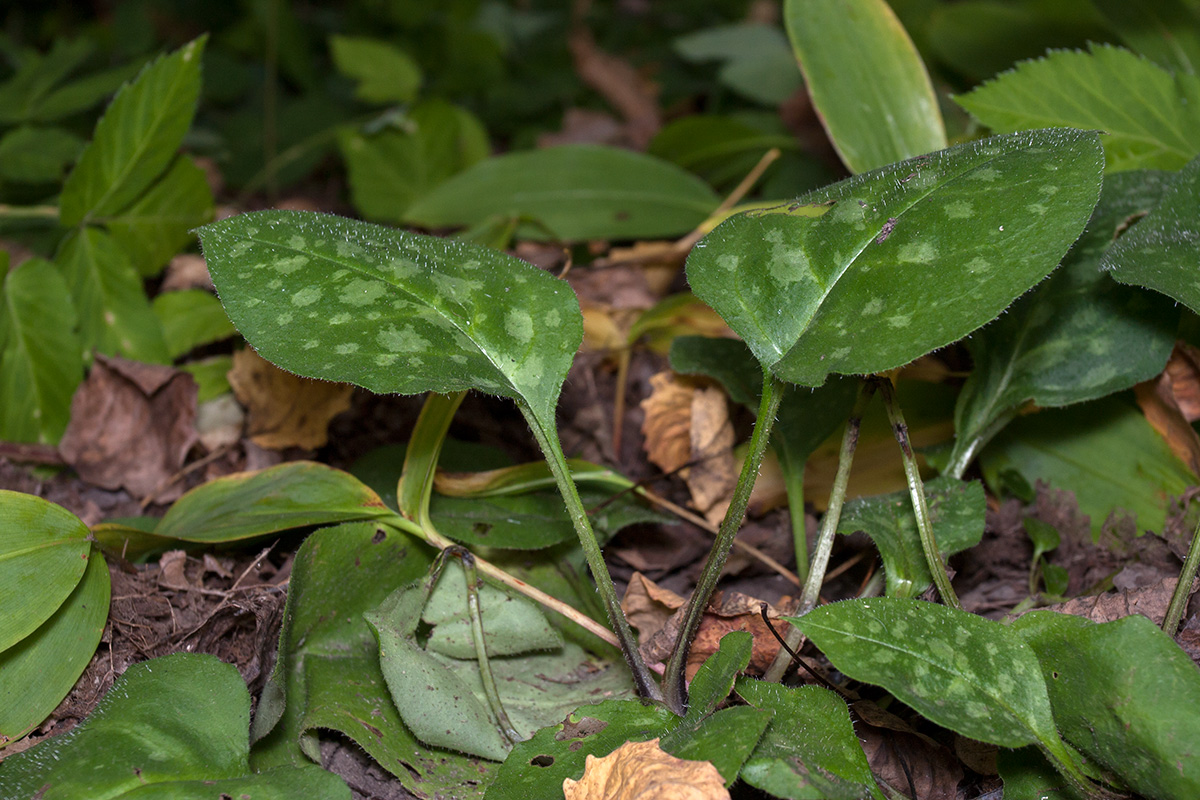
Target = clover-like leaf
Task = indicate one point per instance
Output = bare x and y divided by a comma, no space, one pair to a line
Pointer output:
393,312
873,272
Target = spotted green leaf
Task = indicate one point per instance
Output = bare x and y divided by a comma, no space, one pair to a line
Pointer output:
1159,252
873,272
866,79
137,137
961,671
1151,118
957,509
1033,352
394,312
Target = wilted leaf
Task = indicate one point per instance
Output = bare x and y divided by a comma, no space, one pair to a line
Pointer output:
285,410
642,770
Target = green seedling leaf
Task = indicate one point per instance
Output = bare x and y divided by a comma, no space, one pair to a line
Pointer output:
191,318
393,312
40,670
391,169
1045,537
114,314
384,72
137,738
41,357
1165,31
1159,252
853,264
1032,353
1151,117
136,138
159,223
1123,692
1105,452
809,751
756,60
578,192
30,154
960,671
44,551
866,79
957,509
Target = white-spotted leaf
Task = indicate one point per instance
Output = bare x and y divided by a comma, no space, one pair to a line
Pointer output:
877,270
393,312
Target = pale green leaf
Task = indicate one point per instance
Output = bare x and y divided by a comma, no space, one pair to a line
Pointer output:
136,138
41,357
882,268
577,192
1160,251
1151,117
191,318
114,315
384,72
866,80
391,311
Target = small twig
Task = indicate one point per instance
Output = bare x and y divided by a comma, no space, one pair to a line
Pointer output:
183,473
762,609
29,453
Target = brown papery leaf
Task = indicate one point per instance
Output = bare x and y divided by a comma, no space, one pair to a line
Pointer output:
648,606
1162,410
1183,368
644,771
282,409
666,430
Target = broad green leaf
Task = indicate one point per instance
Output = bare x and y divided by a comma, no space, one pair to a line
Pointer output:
1104,452
392,168
159,223
578,192
210,376
30,154
191,318
1165,31
879,269
720,149
1124,693
756,61
40,355
44,551
1159,252
114,314
136,138
866,79
384,72
40,670
1033,352
394,312
957,509
1027,773
960,671
1151,118
809,751
177,724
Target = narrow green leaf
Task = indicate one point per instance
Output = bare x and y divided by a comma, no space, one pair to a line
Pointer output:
809,751
1165,31
1104,452
191,318
136,138
1151,118
82,93
36,76
957,509
1124,693
1033,352
136,738
578,192
1159,252
756,60
714,680
394,312
159,223
40,670
960,671
114,314
384,72
866,79
41,358
31,154
879,269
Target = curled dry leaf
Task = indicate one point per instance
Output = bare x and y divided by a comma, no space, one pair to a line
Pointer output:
285,410
1163,402
644,771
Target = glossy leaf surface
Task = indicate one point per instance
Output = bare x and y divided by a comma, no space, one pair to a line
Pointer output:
1151,118
136,138
1159,252
577,191
879,269
866,79
394,312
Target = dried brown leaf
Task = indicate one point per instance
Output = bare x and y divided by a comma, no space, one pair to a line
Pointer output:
648,606
285,410
1162,410
644,771
1183,369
